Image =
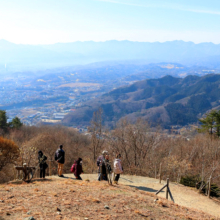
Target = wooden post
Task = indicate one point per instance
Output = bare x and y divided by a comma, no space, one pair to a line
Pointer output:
209,188
160,175
50,168
167,189
19,176
25,170
15,173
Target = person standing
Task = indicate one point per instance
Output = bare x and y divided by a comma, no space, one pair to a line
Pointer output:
106,168
42,163
99,163
117,168
77,168
60,158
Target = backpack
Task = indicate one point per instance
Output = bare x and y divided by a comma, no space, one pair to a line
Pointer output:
57,154
116,164
72,169
117,167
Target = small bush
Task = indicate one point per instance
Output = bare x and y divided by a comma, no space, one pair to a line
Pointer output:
215,190
190,181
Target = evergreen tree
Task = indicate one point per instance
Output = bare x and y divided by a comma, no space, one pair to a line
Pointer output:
3,120
211,123
217,122
15,123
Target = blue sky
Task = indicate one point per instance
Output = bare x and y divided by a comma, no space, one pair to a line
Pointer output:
51,21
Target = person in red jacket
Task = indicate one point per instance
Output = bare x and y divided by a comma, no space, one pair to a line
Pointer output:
77,169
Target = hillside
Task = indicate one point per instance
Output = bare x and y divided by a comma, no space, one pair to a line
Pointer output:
165,101
71,199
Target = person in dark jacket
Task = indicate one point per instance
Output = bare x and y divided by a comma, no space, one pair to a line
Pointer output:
106,168
77,169
60,158
99,162
42,163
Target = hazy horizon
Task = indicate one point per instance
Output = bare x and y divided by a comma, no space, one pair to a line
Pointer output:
111,40
54,21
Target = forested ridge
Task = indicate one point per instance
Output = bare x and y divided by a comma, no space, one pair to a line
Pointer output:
165,101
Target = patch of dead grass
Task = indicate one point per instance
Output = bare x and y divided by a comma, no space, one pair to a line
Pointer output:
81,199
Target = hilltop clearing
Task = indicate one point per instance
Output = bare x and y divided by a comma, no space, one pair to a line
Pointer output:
67,198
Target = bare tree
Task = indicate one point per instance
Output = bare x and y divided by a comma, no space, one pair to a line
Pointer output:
96,130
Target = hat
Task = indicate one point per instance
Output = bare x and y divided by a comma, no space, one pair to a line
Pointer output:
104,152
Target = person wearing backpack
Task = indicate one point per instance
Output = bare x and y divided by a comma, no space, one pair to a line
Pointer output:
117,168
77,168
60,158
42,163
99,163
106,168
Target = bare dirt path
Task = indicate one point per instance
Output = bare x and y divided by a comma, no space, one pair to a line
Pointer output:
184,196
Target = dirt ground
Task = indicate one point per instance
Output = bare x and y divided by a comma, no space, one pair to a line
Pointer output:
68,198
184,196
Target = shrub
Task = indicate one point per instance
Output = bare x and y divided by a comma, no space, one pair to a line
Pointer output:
215,190
9,152
190,181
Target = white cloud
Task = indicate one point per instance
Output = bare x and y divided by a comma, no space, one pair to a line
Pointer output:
180,7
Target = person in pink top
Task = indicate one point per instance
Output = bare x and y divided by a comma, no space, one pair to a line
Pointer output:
117,168
77,168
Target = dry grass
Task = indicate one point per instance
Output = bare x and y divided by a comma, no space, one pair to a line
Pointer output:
72,199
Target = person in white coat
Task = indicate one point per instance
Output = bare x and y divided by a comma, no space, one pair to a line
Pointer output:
117,168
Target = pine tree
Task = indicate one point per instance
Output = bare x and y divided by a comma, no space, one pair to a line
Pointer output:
15,123
3,120
211,123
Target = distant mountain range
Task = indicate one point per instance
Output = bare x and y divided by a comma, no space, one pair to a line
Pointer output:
166,101
18,57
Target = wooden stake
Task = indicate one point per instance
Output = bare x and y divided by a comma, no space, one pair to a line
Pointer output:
209,189
167,188
24,171
160,173
15,173
170,194
161,189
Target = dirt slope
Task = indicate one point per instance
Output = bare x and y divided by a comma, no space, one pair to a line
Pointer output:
184,196
67,198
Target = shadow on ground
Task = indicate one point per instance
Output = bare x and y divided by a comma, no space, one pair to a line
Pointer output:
41,180
18,182
145,188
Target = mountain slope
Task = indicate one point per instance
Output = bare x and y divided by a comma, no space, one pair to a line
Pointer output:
167,101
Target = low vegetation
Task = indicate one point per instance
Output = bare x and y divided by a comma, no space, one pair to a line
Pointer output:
79,200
